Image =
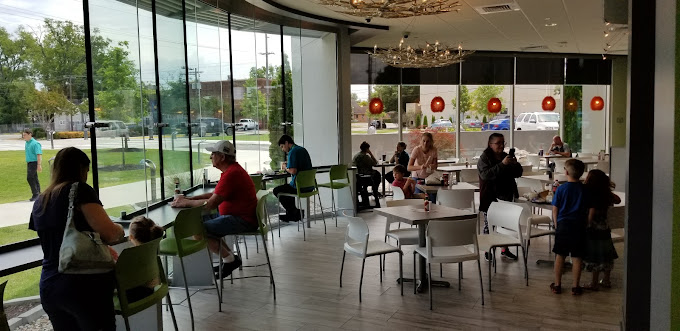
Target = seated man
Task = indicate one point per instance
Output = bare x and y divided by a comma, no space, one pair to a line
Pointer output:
559,148
364,161
235,198
400,157
298,160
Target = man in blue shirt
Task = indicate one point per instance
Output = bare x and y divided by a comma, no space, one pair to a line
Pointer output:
33,162
298,160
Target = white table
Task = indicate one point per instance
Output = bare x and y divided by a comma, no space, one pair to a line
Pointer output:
430,189
561,178
416,215
457,169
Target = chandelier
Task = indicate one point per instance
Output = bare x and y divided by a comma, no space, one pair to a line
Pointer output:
431,56
391,8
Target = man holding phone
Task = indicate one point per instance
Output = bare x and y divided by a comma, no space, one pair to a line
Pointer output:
497,173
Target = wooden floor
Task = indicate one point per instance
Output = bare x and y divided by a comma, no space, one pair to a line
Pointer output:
309,296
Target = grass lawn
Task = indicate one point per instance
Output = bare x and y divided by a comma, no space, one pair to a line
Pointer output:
15,188
241,137
16,233
25,283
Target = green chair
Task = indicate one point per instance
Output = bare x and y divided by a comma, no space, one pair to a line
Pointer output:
257,180
261,231
188,223
305,180
4,324
137,266
339,179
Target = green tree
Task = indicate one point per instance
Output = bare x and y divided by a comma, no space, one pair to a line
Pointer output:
389,94
418,120
47,104
433,119
480,97
276,107
254,104
465,102
15,100
572,120
16,85
425,121
118,96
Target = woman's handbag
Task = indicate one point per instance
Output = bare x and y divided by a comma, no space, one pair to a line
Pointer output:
82,252
434,178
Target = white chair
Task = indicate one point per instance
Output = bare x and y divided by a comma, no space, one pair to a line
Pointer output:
450,242
534,184
534,160
461,199
406,236
397,193
503,216
470,175
616,219
527,169
559,164
529,223
357,243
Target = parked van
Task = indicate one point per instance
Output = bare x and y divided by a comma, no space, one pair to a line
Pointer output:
538,121
114,130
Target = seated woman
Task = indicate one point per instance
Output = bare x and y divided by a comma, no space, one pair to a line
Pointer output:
400,157
408,185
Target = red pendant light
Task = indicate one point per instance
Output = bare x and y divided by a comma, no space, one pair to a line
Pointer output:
437,105
571,104
494,105
597,103
375,106
548,103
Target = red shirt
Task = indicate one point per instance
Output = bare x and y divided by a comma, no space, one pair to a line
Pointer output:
400,184
238,189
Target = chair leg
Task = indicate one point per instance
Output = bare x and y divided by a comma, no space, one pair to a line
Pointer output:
245,244
441,271
219,272
335,212
127,323
167,267
526,271
415,279
304,234
342,266
186,288
429,282
490,270
172,311
401,272
269,264
277,215
361,280
481,282
257,246
219,294
460,274
380,267
323,217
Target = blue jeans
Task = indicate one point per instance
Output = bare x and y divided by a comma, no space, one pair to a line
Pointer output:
222,225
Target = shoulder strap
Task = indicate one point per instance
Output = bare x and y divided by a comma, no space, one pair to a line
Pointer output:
71,202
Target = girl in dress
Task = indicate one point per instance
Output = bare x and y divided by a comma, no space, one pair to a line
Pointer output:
600,253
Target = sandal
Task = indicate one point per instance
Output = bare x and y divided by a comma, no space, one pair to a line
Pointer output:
605,284
590,286
578,290
556,289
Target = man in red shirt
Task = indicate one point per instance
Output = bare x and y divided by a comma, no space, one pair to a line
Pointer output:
235,199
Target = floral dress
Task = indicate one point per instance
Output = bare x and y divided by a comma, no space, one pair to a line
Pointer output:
600,251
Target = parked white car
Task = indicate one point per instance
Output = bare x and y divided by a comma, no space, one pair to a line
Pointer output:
247,124
538,121
115,129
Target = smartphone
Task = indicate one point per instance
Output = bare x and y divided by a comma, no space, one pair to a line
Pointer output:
512,152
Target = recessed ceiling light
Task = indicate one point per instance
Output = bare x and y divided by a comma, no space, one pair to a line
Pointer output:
550,24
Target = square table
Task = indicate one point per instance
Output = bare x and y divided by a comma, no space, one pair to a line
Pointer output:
431,189
457,169
416,215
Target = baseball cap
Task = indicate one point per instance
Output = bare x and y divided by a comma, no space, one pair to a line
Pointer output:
224,147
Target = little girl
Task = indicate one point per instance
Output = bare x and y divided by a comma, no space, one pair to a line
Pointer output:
143,230
600,251
408,185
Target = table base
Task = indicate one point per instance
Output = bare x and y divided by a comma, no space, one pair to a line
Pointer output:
422,285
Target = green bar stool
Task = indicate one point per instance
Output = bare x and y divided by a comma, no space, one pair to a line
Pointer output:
137,267
339,179
188,224
257,180
305,180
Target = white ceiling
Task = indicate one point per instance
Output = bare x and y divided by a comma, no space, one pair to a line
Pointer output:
580,27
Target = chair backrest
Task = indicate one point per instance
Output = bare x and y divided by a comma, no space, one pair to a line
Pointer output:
305,179
559,164
527,168
257,180
397,193
461,199
534,184
357,232
261,211
4,324
137,266
338,172
506,215
405,202
616,217
534,160
470,175
604,166
188,222
451,233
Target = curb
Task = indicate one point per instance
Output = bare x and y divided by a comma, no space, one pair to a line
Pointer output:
26,318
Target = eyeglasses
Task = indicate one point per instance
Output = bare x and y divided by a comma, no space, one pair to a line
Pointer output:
502,143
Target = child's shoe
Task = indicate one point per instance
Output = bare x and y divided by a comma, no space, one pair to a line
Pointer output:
556,289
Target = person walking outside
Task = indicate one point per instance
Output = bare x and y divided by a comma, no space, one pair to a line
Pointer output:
33,162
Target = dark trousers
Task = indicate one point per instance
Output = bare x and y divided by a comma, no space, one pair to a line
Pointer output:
288,202
32,177
79,302
363,182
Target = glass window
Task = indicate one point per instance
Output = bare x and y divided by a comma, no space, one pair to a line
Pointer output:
475,116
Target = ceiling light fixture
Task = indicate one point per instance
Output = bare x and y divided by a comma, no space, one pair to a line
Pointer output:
391,8
550,24
430,56
606,34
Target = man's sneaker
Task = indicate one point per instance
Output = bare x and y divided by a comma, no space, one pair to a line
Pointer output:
487,256
33,198
508,254
227,268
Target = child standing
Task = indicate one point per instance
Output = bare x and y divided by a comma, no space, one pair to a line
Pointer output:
407,185
570,214
600,251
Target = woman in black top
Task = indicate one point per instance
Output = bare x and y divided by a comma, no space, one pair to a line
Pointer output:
400,157
73,301
497,173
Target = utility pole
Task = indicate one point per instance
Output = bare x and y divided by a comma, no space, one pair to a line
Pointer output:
266,73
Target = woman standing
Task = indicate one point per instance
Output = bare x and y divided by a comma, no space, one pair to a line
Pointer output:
73,301
423,159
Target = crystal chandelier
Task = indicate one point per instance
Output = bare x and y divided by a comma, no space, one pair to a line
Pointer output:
391,8
431,56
